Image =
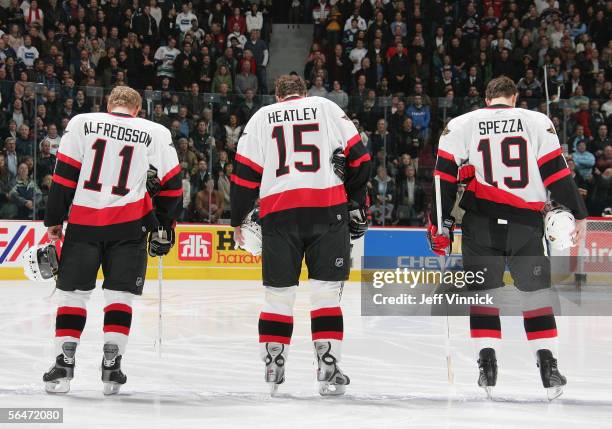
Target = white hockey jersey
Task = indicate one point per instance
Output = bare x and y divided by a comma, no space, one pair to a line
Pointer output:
517,158
284,157
101,173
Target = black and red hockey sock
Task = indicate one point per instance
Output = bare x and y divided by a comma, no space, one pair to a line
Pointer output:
275,328
327,324
541,329
70,322
117,324
485,322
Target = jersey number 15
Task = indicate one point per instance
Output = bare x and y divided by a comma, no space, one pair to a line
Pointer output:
278,134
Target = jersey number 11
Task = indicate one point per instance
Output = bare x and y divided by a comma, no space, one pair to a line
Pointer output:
93,184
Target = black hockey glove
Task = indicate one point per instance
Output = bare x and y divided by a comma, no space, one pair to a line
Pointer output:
161,241
153,183
358,222
339,163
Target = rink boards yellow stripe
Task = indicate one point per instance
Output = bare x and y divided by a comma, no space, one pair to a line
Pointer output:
186,273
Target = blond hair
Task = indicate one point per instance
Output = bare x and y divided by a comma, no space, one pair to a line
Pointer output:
124,96
288,85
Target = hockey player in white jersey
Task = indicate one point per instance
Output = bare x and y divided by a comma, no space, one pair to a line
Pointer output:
117,178
309,206
509,158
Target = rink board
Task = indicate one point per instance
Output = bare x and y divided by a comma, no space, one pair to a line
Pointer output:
202,252
206,252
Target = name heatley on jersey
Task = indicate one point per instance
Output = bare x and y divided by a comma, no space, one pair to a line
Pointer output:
99,183
283,158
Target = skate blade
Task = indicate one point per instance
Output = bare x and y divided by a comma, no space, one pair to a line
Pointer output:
58,386
327,389
489,391
273,389
554,392
111,388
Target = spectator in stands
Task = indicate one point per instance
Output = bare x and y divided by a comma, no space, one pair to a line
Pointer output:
8,210
254,19
584,160
317,90
338,96
601,140
11,156
604,159
420,116
245,79
45,164
224,184
577,138
25,194
600,195
201,176
209,203
382,193
410,199
187,158
259,48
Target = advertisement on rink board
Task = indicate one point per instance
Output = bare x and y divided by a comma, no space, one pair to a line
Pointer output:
200,252
207,252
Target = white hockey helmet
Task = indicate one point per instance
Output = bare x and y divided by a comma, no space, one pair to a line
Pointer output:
559,224
251,233
40,263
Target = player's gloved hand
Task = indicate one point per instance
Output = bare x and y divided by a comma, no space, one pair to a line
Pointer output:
161,241
466,173
440,242
153,182
358,222
339,163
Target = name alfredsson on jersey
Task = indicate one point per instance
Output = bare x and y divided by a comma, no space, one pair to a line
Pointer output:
117,132
290,115
501,126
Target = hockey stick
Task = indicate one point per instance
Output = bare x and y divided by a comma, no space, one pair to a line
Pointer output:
160,276
449,360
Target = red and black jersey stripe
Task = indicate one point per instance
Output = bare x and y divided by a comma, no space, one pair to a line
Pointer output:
357,171
496,203
120,231
63,187
168,202
446,167
558,179
244,189
553,167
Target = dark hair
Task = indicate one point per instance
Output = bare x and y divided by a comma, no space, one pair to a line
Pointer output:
501,86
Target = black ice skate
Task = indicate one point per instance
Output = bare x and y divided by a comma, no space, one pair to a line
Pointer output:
112,377
552,379
332,381
487,365
275,365
57,379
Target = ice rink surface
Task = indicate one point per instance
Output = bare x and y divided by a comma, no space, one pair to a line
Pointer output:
210,374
